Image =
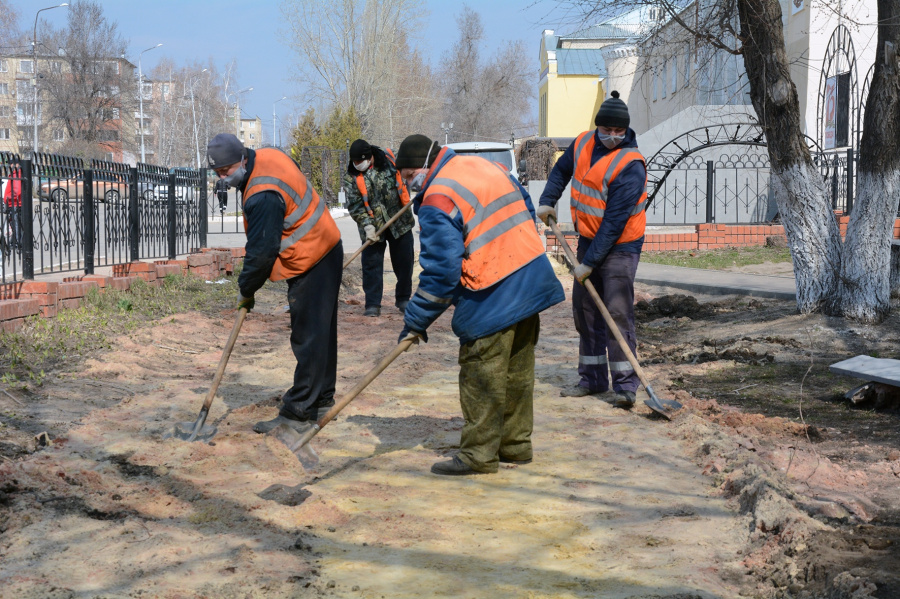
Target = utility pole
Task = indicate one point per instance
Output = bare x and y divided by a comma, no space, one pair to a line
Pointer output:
34,74
274,118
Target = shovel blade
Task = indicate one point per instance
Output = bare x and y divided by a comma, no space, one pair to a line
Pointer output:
663,407
185,430
291,438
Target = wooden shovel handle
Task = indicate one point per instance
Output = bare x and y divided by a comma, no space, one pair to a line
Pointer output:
610,323
223,361
379,232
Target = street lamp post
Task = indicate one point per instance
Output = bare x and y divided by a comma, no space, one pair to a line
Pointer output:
237,112
34,73
447,129
274,117
141,96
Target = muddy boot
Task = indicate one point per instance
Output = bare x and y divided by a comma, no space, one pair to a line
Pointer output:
453,467
265,426
624,400
577,391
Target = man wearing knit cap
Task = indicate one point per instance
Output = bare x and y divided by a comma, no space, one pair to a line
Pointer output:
609,193
290,237
375,193
481,253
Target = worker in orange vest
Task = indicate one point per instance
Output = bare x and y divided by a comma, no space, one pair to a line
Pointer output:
375,193
291,237
609,194
481,253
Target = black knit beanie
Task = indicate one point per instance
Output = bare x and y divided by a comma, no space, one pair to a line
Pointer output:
414,150
360,150
613,113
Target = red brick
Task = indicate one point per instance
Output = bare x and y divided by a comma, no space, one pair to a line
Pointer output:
38,287
19,308
68,304
121,270
71,290
200,260
49,311
10,326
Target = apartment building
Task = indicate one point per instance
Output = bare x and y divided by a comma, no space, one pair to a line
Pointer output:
24,105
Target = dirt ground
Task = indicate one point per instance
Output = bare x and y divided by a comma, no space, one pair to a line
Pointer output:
768,484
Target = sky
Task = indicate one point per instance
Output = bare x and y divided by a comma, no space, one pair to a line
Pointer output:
193,30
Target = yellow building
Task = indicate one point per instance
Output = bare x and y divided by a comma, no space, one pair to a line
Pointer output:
573,72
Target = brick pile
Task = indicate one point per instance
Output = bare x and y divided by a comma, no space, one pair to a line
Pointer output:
20,300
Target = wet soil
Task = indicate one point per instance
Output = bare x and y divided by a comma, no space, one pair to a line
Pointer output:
768,484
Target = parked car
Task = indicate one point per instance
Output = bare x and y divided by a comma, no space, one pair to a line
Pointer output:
60,190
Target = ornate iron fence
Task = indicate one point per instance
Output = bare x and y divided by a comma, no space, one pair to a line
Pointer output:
74,216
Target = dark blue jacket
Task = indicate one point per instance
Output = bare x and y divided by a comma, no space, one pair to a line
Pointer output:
624,192
527,291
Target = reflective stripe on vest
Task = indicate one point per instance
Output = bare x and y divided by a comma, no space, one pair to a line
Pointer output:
364,192
590,189
498,230
308,231
401,186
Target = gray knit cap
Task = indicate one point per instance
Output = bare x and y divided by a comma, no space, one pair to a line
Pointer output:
224,149
613,113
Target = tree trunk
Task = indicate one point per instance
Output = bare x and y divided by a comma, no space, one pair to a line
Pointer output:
809,223
864,287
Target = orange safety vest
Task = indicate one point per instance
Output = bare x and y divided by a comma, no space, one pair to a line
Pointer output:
401,187
590,186
498,230
308,232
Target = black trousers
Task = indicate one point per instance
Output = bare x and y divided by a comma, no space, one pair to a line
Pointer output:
402,260
312,299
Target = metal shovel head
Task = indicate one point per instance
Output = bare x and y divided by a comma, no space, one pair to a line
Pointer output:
185,431
663,407
293,439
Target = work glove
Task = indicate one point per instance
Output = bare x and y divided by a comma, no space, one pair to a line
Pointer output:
245,302
545,212
370,234
406,333
582,272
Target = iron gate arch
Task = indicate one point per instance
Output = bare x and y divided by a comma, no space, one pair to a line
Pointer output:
725,187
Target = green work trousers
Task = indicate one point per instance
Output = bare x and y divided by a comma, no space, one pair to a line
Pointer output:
496,390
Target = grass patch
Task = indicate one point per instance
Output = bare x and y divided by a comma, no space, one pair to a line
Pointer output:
45,344
719,259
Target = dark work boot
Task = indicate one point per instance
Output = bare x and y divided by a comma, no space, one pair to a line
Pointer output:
453,467
577,391
517,462
372,311
401,305
624,400
265,426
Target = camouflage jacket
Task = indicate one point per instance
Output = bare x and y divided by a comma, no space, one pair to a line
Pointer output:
381,185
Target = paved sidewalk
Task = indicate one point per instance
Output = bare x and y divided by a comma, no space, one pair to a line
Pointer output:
717,282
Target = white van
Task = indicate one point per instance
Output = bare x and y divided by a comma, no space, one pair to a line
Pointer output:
493,151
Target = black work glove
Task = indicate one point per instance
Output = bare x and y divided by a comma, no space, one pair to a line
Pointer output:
245,302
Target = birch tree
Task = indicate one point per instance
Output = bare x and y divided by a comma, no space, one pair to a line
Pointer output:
852,279
355,53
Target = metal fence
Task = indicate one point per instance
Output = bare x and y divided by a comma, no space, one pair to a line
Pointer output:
61,214
734,187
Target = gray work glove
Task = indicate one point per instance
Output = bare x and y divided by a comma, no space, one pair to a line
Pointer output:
245,302
370,234
582,272
545,212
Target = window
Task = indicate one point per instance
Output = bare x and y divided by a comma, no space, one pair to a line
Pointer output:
655,77
147,89
58,135
252,125
24,90
26,66
4,66
664,79
5,111
55,66
4,89
4,133
165,89
687,65
109,135
674,81
252,136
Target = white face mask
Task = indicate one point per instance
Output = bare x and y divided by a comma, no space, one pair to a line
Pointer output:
414,185
610,141
362,166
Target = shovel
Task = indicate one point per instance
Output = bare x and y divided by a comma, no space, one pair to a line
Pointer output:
298,442
663,407
194,431
390,222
